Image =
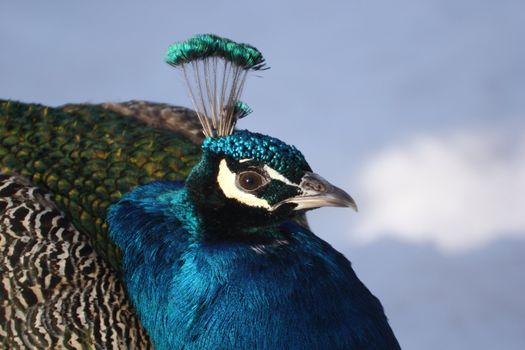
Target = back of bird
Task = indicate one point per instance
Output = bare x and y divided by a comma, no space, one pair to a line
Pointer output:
90,155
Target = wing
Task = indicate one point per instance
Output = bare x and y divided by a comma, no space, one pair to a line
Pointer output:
56,292
89,155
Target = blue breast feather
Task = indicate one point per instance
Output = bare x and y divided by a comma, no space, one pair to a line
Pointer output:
193,294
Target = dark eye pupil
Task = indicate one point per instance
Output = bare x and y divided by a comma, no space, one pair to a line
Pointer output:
250,180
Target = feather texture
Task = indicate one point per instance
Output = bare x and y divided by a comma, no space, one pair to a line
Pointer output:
56,292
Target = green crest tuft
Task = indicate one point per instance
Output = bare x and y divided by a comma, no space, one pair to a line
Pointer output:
242,109
208,45
215,70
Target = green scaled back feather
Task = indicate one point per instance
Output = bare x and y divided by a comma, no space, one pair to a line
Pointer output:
89,157
208,45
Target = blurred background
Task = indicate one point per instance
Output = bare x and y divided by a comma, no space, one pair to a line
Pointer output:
417,108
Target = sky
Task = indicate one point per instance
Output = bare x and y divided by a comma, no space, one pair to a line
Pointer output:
416,108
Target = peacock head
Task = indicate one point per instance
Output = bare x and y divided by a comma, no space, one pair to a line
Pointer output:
254,180
244,178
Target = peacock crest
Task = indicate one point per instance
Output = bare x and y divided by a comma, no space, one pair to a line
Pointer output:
215,71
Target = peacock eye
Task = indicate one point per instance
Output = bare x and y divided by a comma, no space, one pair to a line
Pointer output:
250,180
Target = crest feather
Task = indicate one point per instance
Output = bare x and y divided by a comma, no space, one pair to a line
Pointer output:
215,71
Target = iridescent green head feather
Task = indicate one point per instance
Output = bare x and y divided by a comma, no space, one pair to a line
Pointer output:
243,144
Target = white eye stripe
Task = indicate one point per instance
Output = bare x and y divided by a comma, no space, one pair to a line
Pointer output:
227,182
274,174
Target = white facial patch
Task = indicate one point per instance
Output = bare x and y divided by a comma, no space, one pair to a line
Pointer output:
227,179
277,176
227,182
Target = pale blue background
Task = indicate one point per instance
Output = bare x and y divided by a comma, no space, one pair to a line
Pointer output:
348,79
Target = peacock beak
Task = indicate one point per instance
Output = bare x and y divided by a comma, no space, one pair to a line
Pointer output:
317,192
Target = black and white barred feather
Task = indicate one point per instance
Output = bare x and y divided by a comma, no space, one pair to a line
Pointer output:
55,292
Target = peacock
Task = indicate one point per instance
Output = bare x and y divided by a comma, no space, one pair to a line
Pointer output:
142,225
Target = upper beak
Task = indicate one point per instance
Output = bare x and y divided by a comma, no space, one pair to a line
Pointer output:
317,192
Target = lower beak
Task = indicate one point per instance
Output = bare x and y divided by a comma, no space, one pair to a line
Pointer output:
317,192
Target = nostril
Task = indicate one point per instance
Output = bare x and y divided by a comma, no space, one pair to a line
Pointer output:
315,186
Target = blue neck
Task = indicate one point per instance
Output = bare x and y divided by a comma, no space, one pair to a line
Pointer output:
296,293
